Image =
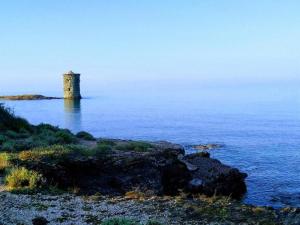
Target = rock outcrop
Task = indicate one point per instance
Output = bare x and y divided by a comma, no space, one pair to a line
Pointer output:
164,170
214,178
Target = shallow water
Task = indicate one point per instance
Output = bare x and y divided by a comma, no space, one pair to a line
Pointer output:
258,127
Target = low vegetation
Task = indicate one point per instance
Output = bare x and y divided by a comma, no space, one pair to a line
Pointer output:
20,178
138,146
23,144
85,136
4,161
8,121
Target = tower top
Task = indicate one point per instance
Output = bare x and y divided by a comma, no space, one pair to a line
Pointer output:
70,73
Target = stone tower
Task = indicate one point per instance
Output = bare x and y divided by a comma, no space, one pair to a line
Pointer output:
72,85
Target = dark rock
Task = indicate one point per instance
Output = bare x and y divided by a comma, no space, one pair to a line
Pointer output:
217,178
203,154
40,221
163,170
196,185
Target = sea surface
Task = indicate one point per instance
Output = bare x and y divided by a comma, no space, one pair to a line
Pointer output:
259,127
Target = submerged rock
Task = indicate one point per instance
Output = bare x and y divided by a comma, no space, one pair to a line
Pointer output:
206,146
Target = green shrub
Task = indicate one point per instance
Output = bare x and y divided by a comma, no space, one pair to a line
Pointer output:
17,145
8,121
3,138
103,148
24,133
65,137
12,134
22,178
41,127
9,145
85,136
45,138
119,221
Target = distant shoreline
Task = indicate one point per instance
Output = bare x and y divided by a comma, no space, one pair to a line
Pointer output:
27,97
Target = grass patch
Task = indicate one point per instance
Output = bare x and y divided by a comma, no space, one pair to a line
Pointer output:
20,178
5,161
107,142
50,153
138,146
56,153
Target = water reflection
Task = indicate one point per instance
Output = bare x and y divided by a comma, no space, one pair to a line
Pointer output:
73,114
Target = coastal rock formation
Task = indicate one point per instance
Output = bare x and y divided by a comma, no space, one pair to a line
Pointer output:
163,170
214,178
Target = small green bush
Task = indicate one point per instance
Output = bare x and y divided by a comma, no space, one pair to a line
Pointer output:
45,138
41,127
3,138
65,137
22,178
103,148
78,150
8,121
119,221
12,134
24,133
85,136
8,145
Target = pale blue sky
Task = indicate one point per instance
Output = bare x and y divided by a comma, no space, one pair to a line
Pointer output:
148,41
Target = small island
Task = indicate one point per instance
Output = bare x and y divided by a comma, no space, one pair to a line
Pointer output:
71,82
27,97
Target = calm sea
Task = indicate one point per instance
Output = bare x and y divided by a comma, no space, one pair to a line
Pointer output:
260,128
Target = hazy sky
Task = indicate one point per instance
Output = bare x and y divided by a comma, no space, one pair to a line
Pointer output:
148,41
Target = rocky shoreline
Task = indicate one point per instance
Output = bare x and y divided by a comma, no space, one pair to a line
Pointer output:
163,169
49,175
70,209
